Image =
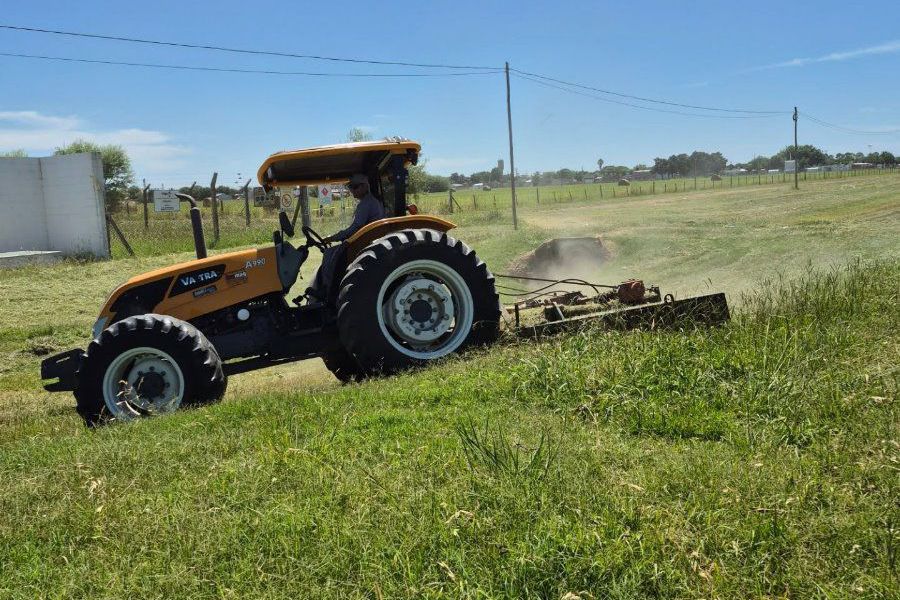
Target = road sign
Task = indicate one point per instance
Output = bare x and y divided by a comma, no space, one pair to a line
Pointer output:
325,192
790,166
165,201
287,201
259,196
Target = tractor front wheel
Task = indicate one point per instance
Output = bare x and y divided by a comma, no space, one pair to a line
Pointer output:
415,296
147,365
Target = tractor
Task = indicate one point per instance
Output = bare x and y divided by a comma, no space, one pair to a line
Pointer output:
403,293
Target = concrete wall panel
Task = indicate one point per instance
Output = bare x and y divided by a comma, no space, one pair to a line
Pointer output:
53,203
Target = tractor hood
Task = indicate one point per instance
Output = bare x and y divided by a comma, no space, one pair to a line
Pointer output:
332,164
197,287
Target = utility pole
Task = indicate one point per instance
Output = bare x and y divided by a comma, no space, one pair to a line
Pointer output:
796,158
512,162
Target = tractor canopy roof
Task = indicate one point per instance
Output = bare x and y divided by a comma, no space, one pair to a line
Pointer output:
333,164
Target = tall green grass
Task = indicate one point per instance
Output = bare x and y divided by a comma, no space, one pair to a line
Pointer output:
758,459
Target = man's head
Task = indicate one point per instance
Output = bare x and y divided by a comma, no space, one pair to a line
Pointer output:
358,185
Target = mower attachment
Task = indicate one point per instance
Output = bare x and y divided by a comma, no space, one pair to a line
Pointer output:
711,309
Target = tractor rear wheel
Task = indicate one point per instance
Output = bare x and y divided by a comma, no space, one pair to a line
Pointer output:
147,365
414,296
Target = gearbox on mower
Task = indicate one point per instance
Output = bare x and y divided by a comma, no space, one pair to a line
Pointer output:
404,293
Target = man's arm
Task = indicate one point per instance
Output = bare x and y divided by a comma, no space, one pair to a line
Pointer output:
363,215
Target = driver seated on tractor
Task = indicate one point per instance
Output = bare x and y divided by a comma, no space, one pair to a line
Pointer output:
368,210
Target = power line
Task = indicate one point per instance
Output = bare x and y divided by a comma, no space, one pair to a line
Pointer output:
642,99
118,38
236,70
848,129
650,108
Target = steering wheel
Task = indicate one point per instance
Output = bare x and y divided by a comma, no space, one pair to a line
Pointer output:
313,238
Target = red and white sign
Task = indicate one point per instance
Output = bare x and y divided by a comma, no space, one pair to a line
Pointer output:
325,192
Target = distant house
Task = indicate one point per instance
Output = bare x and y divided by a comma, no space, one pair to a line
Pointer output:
861,165
641,175
733,172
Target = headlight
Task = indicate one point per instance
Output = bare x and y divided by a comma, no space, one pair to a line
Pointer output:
99,326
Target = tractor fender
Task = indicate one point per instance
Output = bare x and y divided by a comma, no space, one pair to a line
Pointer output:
357,242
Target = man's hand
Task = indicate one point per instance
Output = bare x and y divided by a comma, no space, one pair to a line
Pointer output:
330,239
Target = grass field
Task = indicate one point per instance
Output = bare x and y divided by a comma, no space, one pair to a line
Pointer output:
756,460
167,233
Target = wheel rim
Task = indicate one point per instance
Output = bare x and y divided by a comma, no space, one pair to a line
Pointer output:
425,309
141,382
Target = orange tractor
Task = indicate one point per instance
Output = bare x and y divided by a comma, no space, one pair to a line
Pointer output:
404,293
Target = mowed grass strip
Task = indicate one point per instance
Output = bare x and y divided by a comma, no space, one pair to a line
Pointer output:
754,460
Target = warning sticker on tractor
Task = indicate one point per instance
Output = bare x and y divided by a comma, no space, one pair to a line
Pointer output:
236,277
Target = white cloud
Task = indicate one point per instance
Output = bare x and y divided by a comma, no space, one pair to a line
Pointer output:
30,118
886,48
153,153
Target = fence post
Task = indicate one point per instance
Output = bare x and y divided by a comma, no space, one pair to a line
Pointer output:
450,201
303,203
246,191
585,193
538,190
601,190
474,203
144,194
215,207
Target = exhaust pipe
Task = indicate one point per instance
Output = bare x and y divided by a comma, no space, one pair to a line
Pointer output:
196,225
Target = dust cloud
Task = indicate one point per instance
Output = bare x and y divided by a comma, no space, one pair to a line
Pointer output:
562,258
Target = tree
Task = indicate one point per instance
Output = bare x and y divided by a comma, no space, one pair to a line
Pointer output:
14,154
599,164
887,158
117,173
566,174
358,134
758,162
613,172
806,156
641,167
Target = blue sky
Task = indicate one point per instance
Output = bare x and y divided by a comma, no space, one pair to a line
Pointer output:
836,60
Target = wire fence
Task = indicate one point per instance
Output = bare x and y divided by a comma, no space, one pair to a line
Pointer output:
170,232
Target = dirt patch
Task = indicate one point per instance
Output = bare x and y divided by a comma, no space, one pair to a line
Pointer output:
563,257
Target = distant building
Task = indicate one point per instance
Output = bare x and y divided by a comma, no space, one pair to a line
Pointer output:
641,175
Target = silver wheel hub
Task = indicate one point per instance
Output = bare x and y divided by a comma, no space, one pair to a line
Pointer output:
142,381
425,309
420,311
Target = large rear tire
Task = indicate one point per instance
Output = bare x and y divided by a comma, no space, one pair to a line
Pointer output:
146,365
412,297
